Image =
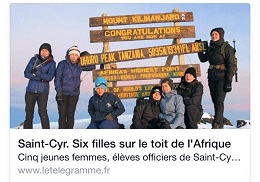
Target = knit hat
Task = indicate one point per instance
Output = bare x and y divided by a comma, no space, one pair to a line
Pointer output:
45,46
84,53
156,88
74,50
220,31
191,71
101,82
168,81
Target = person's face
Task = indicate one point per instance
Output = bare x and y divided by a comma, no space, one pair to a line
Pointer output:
100,91
166,88
73,58
189,78
215,36
44,53
157,96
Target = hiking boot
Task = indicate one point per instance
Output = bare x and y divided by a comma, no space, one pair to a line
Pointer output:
217,126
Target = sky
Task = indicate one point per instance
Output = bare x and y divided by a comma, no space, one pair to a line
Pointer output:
64,25
25,29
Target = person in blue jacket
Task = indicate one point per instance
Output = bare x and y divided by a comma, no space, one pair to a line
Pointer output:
67,85
104,107
40,71
172,107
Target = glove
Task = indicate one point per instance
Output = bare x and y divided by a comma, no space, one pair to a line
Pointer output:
199,40
59,98
109,117
187,101
33,71
227,87
164,124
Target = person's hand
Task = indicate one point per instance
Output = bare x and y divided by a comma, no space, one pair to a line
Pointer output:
33,71
59,98
164,124
109,117
228,87
187,101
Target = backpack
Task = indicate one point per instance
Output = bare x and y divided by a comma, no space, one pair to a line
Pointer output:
222,51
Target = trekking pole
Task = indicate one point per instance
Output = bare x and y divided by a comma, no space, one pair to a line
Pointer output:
234,43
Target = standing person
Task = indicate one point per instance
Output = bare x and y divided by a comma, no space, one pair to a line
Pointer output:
104,107
67,85
40,71
220,73
191,90
172,107
146,112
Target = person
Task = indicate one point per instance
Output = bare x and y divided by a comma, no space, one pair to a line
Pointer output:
172,107
67,85
104,107
146,112
40,71
220,73
191,90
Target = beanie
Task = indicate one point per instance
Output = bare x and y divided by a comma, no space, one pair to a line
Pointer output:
45,46
191,71
168,81
74,50
156,88
101,82
84,53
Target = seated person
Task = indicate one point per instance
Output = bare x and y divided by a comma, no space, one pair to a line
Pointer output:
191,90
146,111
104,107
172,107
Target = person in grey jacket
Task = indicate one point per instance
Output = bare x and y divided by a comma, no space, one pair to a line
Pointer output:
172,107
40,71
67,85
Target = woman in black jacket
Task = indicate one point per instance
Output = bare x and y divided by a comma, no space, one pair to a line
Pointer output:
146,111
191,90
220,73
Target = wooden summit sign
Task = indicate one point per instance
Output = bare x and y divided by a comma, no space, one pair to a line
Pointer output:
144,73
143,53
175,32
146,33
141,19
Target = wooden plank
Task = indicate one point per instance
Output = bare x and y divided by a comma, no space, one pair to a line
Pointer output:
141,19
144,73
143,53
134,88
133,91
146,33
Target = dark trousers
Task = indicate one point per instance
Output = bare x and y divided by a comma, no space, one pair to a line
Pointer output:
218,96
67,111
192,116
106,124
30,100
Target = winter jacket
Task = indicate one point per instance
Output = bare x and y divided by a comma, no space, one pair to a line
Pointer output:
100,106
146,114
67,78
191,93
39,82
172,109
214,56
